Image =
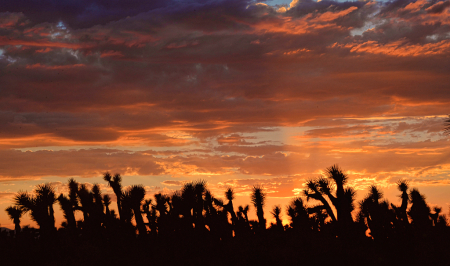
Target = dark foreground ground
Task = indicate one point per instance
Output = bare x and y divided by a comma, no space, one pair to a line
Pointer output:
265,249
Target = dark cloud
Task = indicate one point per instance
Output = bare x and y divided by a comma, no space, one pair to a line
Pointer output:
201,75
82,13
87,13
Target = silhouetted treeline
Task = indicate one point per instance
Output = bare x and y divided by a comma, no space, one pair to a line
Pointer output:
191,226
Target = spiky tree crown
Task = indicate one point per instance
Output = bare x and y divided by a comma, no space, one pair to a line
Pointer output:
324,185
117,179
136,194
416,197
14,212
402,185
258,196
334,172
276,212
200,186
45,192
24,201
107,177
229,194
106,200
375,193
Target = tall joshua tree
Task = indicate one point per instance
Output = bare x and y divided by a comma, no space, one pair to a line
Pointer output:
73,193
342,198
162,221
258,199
298,213
276,213
86,204
116,184
401,211
97,215
40,206
68,211
229,194
419,211
199,190
107,202
150,212
317,190
376,214
243,213
15,213
70,204
137,194
209,207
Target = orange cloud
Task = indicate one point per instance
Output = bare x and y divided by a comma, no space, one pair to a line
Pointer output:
398,48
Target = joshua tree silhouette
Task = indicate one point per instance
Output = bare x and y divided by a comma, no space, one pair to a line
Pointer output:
116,184
258,198
40,207
298,214
402,221
136,196
197,225
276,213
419,211
376,213
229,194
15,213
342,199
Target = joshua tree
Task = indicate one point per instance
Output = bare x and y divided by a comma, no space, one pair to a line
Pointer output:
86,203
127,210
243,212
298,213
70,204
258,199
98,200
199,191
188,200
242,218
116,184
137,194
342,199
163,219
276,213
317,190
419,211
14,214
401,211
68,211
40,206
73,193
435,216
209,207
229,194
150,212
107,202
376,214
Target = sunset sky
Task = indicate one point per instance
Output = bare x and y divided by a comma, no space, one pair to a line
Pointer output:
235,92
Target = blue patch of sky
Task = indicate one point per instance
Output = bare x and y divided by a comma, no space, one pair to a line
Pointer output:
278,2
